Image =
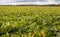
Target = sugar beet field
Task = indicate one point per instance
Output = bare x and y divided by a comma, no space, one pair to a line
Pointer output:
29,21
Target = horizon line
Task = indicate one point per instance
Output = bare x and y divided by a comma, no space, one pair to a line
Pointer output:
30,3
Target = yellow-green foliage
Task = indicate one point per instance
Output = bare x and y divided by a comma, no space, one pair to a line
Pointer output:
29,21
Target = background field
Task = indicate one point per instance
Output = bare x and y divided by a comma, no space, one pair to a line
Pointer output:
29,21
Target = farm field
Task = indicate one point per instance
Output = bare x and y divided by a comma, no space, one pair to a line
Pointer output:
29,21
